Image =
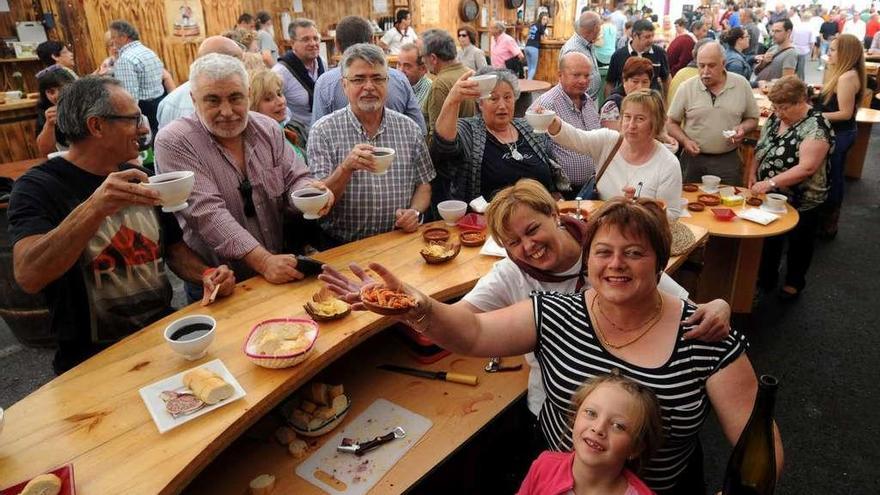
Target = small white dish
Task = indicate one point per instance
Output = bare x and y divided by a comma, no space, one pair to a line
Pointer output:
156,406
191,349
310,200
758,215
452,210
173,188
479,204
769,209
710,190
540,122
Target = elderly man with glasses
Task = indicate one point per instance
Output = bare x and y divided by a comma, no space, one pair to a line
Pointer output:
88,235
343,150
244,174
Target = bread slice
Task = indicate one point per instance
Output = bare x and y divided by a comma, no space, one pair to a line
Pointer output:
263,484
298,448
44,484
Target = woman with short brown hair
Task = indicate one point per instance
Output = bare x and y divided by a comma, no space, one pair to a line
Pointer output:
638,72
792,158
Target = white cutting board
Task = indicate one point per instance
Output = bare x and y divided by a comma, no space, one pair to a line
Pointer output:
360,474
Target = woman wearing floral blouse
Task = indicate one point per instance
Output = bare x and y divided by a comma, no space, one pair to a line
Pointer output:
792,158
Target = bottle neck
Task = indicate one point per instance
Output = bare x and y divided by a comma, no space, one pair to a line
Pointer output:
766,398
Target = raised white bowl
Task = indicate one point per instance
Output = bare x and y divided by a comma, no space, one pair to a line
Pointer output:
195,348
452,210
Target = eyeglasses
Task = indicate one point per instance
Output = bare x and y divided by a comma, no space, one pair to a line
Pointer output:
360,81
247,194
136,118
462,35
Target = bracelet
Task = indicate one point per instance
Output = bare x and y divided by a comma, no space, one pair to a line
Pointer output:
208,271
418,322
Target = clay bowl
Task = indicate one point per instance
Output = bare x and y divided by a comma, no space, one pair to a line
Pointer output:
690,188
754,201
319,317
709,199
434,260
473,238
695,206
436,234
376,308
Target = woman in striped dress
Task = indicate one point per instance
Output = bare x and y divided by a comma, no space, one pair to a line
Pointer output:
622,322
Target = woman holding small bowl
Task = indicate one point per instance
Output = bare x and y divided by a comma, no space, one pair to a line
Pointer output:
477,156
792,157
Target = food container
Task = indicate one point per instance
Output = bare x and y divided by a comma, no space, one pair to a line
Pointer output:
282,361
735,200
473,238
690,188
434,260
377,308
709,199
472,221
324,428
754,201
696,206
436,234
319,317
725,214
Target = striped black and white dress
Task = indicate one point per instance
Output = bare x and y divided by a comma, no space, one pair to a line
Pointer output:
569,353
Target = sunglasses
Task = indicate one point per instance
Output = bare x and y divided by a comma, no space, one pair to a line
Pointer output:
247,194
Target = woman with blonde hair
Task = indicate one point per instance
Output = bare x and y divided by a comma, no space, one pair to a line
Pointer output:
637,160
266,97
839,102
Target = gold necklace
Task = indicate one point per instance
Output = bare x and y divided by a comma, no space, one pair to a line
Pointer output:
651,322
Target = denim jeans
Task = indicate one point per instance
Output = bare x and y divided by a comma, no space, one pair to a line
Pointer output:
843,142
532,60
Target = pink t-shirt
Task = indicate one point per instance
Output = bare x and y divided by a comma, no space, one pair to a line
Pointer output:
504,48
551,474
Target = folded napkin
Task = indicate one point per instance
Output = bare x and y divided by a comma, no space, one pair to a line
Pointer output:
479,204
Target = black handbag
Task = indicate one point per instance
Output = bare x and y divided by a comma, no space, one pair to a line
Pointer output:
590,189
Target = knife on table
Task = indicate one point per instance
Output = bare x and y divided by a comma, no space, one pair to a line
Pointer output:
447,376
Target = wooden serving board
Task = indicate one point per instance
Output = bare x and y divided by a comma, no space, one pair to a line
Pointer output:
353,475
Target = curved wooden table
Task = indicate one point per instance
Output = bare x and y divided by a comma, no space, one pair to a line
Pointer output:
93,416
733,254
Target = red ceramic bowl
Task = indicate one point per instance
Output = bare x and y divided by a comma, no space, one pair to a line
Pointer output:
725,214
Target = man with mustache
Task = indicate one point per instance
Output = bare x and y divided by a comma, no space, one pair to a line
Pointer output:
244,174
706,106
342,152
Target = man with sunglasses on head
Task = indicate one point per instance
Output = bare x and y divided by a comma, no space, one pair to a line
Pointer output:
244,174
343,151
89,236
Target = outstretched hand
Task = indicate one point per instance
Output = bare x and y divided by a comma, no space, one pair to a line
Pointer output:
347,289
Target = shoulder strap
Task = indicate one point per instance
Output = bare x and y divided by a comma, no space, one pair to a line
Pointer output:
609,158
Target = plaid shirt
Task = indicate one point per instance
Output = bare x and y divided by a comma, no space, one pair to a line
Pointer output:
421,89
215,225
140,71
368,205
578,167
578,44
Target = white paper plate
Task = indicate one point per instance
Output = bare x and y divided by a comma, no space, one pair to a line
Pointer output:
164,421
491,248
758,216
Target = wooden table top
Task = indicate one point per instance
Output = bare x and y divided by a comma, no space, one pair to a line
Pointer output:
93,415
14,170
530,85
19,104
738,227
457,412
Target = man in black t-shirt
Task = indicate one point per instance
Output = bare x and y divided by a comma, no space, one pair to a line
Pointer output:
89,236
641,45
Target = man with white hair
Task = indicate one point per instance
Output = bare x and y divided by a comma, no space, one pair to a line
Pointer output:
703,109
244,174
573,104
179,103
588,26
502,47
343,152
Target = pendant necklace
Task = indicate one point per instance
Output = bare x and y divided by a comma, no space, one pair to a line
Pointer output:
514,152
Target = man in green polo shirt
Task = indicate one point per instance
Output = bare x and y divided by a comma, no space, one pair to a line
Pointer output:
710,116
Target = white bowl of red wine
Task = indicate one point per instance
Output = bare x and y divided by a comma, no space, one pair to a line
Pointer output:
191,335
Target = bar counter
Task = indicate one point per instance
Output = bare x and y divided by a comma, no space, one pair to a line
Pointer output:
93,416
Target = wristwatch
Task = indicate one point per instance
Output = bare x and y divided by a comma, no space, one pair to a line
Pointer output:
772,183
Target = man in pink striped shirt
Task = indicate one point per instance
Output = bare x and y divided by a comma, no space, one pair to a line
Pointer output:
244,170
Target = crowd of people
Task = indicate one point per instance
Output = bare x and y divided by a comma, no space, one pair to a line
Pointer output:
651,106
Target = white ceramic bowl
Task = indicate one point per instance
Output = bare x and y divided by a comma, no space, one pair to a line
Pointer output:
710,182
174,189
487,84
310,200
540,121
452,210
384,157
776,201
195,348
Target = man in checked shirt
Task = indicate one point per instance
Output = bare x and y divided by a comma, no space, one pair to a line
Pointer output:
341,151
244,174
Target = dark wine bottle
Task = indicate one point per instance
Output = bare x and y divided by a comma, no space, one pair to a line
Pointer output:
751,469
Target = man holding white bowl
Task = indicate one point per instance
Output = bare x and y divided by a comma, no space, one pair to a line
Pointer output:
244,175
90,236
373,159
